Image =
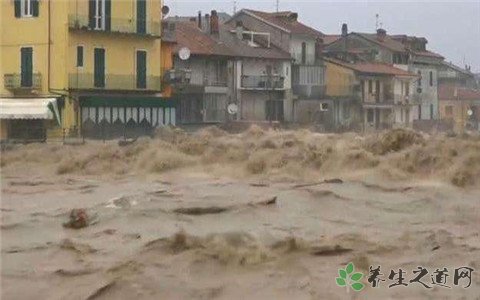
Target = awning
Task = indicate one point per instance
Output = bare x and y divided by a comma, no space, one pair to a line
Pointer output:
126,101
29,108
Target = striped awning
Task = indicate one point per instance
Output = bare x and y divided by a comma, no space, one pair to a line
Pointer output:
29,108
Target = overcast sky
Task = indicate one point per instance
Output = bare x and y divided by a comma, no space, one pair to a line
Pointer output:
451,27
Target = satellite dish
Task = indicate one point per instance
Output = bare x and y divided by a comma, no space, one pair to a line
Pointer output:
165,10
470,112
232,109
184,53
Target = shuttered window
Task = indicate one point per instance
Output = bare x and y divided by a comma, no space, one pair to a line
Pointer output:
26,8
99,14
26,66
79,56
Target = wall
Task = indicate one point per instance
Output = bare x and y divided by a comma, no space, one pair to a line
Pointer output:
296,49
429,94
339,80
278,37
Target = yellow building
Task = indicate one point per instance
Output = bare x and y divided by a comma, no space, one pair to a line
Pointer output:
460,107
98,61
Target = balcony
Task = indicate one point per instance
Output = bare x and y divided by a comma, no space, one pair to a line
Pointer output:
308,81
117,25
263,82
15,82
112,82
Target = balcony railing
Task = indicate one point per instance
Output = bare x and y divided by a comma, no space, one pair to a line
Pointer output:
85,81
263,82
117,25
15,82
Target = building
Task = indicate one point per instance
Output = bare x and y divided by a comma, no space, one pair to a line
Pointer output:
97,60
452,74
405,52
230,65
304,44
379,93
460,106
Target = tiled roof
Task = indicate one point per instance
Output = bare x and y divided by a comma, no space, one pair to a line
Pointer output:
372,68
224,44
330,38
447,92
286,20
387,42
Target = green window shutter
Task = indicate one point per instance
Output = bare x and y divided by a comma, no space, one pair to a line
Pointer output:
26,67
79,56
35,7
99,68
18,8
108,15
141,69
91,14
141,16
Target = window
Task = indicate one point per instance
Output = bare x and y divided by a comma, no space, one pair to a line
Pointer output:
26,66
99,68
141,69
304,53
449,111
419,111
370,87
99,12
141,16
370,116
407,88
79,56
26,8
419,82
431,111
431,78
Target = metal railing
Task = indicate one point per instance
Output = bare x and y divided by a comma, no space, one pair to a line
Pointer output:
263,82
85,81
14,82
117,25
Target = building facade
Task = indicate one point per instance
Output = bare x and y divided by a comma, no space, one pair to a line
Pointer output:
100,60
404,52
230,65
304,44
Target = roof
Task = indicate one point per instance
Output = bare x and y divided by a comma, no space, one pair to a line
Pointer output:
287,20
447,92
29,108
372,68
225,44
387,42
457,68
330,38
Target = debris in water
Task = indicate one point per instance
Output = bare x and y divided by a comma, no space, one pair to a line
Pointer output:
78,219
198,211
123,143
331,251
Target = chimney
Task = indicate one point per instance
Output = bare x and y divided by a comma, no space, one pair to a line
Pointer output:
381,34
239,30
207,23
214,27
200,19
344,30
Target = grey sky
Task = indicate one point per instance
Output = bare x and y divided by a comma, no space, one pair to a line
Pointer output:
451,27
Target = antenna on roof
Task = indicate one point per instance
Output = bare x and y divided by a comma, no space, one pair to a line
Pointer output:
377,18
234,7
278,5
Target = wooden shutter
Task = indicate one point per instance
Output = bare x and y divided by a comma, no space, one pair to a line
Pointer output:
108,15
27,67
99,67
141,16
35,8
91,14
18,8
141,69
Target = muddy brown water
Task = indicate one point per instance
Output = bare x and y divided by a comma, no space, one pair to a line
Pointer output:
195,236
256,215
